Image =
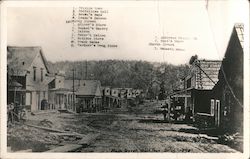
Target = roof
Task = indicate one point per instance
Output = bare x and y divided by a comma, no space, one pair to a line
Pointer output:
208,72
19,59
84,87
60,89
14,83
239,27
41,86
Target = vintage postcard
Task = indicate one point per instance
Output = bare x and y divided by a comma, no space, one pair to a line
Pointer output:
125,79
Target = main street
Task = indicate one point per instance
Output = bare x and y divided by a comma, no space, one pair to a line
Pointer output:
133,129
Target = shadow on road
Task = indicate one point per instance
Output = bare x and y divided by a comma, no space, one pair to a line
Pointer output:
161,121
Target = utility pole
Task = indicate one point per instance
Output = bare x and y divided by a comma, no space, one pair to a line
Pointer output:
86,70
82,70
167,100
73,89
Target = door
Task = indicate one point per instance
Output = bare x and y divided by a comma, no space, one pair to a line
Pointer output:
38,100
217,113
65,102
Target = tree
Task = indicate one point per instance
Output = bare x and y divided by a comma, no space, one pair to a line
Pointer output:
125,73
162,91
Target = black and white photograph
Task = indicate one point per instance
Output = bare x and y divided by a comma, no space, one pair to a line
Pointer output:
142,78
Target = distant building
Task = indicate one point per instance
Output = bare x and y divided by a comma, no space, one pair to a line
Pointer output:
106,100
227,95
59,96
122,93
114,92
137,92
126,93
88,94
121,97
28,70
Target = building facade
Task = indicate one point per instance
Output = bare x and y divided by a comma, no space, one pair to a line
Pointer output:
61,98
28,67
227,97
197,87
87,93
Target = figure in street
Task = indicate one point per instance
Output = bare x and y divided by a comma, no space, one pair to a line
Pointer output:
164,112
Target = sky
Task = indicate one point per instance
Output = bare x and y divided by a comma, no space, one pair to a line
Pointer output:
132,25
222,16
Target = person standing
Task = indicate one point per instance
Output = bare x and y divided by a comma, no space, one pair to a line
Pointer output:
10,109
164,112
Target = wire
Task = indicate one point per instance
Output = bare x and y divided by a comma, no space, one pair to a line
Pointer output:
222,68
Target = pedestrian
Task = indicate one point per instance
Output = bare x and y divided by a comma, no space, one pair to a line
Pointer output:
10,109
23,114
43,104
164,112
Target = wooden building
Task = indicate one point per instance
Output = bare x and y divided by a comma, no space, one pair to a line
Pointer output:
227,95
121,97
87,93
197,87
61,98
114,97
28,67
106,98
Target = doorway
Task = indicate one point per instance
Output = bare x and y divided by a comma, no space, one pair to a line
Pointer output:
217,113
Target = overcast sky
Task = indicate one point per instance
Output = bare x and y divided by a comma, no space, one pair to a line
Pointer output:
132,26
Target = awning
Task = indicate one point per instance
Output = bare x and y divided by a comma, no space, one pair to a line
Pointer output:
15,84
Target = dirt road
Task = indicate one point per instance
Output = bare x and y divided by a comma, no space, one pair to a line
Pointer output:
133,133
135,129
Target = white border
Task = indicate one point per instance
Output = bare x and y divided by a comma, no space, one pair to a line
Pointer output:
3,137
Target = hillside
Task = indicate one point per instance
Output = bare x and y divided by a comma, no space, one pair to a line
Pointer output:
120,73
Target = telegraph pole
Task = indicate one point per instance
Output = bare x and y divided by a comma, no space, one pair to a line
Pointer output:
73,89
86,70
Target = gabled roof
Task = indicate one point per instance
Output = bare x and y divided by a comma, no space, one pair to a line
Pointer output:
239,28
209,71
20,59
41,86
84,87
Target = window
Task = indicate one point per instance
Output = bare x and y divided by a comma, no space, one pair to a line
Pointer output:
212,107
34,73
28,99
178,108
225,111
217,113
41,74
189,83
218,105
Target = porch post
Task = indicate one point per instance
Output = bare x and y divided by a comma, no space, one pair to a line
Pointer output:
185,104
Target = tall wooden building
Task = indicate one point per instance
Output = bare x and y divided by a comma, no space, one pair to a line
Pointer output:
227,95
195,95
28,70
61,98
